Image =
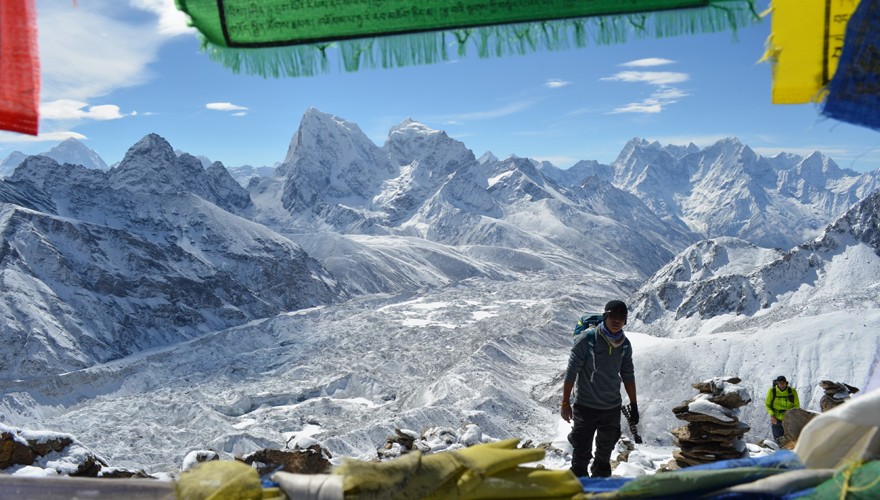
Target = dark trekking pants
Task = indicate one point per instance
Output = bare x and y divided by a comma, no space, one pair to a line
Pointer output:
778,430
586,423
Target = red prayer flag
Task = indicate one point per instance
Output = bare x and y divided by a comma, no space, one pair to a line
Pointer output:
19,67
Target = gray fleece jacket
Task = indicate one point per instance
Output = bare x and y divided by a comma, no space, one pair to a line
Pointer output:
598,372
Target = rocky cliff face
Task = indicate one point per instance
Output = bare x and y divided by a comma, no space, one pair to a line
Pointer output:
728,190
716,282
99,265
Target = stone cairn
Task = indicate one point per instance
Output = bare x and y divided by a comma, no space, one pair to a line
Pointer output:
714,431
836,393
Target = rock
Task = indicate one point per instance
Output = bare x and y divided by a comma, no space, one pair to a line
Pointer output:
26,447
13,451
196,457
714,431
795,420
836,393
709,386
118,473
90,467
311,460
44,447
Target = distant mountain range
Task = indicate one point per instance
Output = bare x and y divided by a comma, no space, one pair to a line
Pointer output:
733,279
68,151
165,245
99,265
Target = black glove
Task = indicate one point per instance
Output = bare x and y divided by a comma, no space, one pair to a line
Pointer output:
633,414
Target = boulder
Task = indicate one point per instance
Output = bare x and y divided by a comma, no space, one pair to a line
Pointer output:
311,460
836,393
795,420
19,447
14,451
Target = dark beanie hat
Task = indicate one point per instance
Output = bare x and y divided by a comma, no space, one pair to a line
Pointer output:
781,378
616,307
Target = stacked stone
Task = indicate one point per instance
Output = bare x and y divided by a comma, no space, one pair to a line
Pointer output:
836,393
714,431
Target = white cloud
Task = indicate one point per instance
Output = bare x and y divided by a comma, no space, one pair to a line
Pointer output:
648,62
665,93
225,106
649,77
555,84
669,94
9,138
69,109
172,22
90,49
512,108
85,53
646,106
659,99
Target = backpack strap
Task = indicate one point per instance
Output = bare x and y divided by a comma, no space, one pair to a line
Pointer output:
591,337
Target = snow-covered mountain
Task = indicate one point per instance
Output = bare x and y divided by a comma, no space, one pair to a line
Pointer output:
76,153
160,307
339,190
13,160
722,284
484,352
242,174
728,190
247,173
68,151
99,265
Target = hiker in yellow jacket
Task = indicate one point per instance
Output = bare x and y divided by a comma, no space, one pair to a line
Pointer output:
780,398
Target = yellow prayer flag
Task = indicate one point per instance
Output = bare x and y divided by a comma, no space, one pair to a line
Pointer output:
804,47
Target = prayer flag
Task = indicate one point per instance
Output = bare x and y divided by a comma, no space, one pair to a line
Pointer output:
292,37
805,45
19,67
854,92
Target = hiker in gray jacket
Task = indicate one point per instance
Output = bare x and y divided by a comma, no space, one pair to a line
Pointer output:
600,360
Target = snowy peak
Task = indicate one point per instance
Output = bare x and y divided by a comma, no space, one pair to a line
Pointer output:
74,152
726,189
487,157
152,166
409,128
69,151
723,284
8,165
153,148
862,222
317,129
412,141
49,176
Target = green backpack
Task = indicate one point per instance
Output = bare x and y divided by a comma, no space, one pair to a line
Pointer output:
790,396
588,320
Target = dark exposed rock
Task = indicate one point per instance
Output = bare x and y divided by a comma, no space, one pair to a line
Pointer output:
836,393
90,467
14,452
18,450
117,473
710,386
311,460
795,420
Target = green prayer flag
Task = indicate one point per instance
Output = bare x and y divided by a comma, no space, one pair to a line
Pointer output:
292,37
261,23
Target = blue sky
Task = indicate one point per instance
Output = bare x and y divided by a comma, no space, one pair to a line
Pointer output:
114,71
